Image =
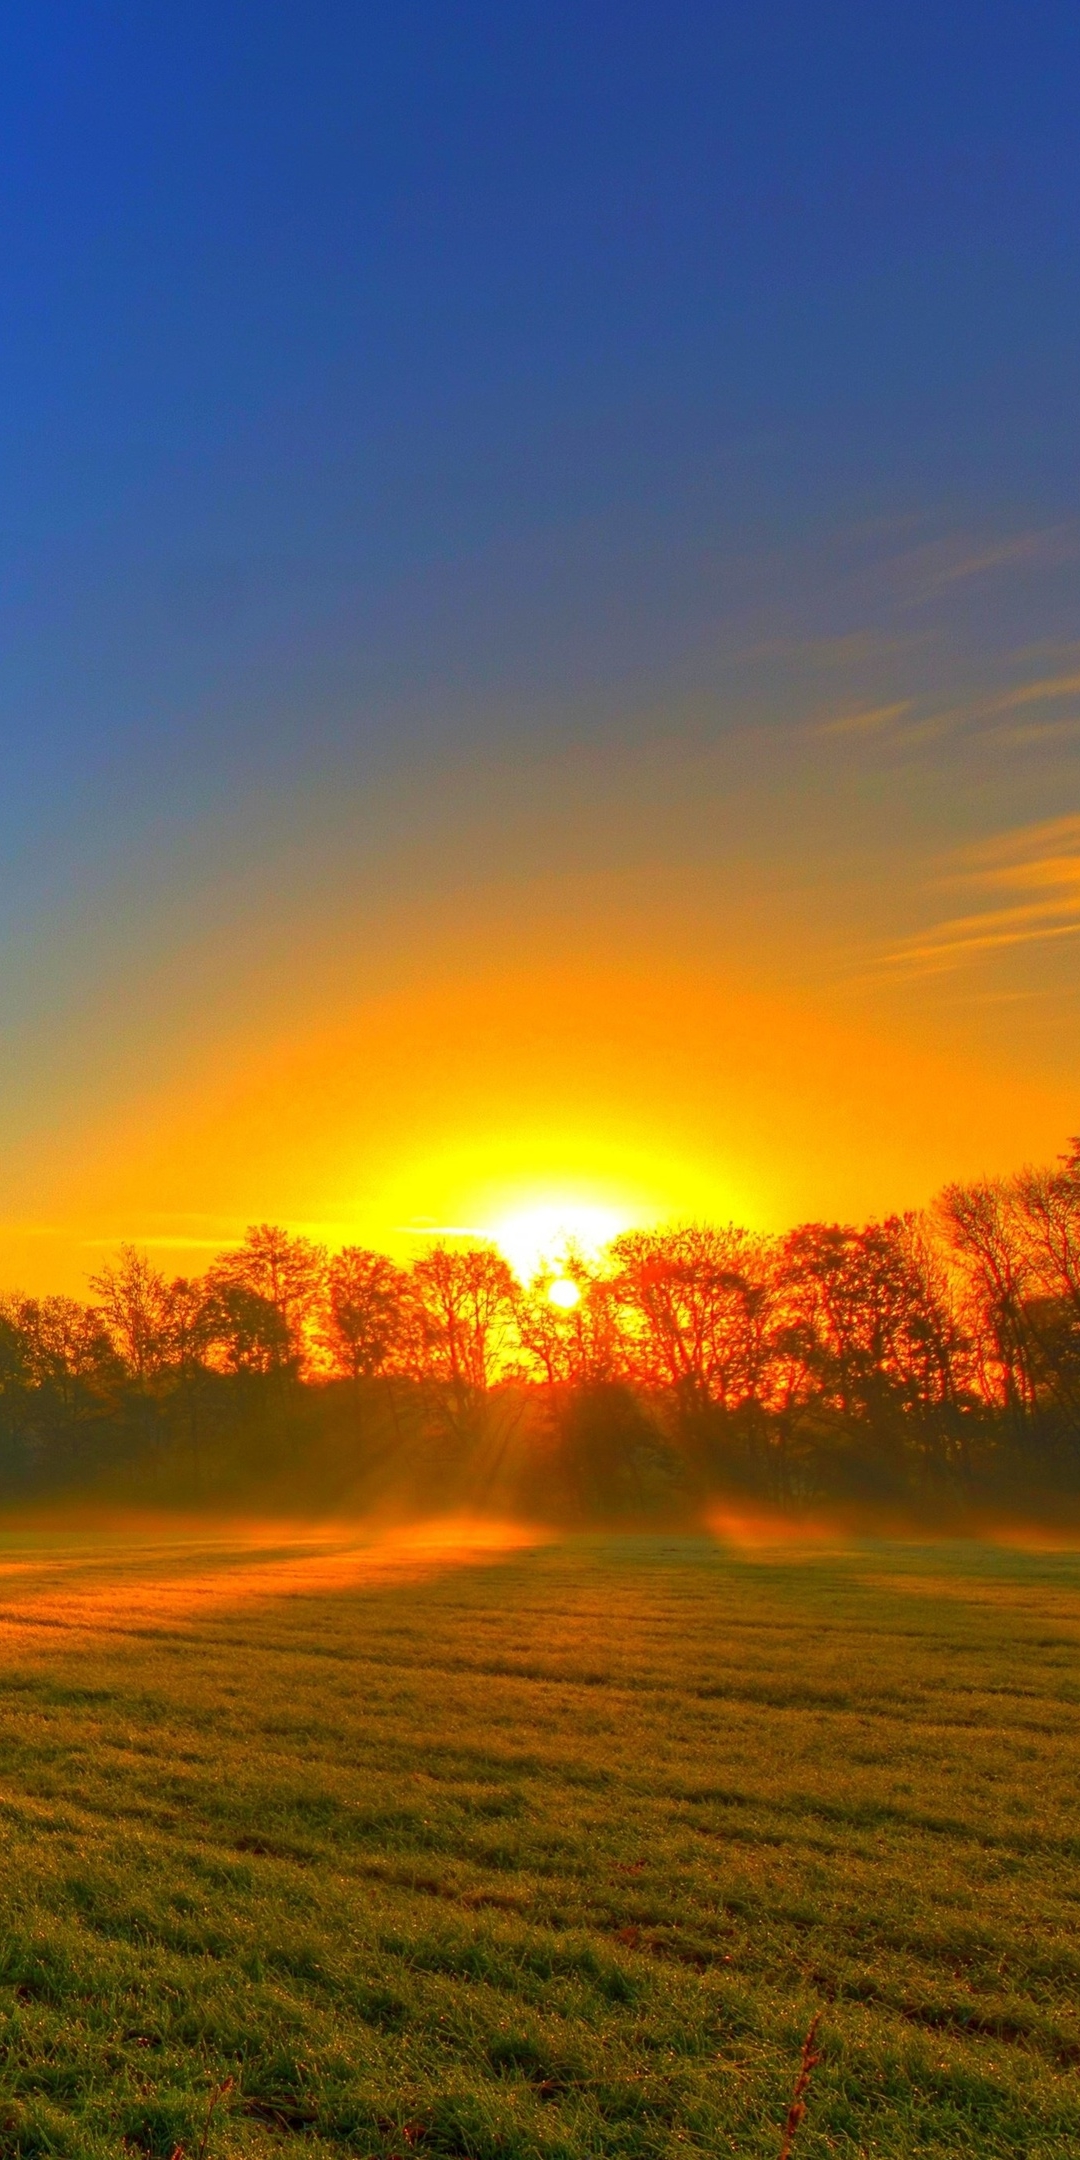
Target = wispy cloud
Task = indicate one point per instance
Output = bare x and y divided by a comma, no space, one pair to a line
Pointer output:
918,574
159,1244
865,721
427,1229
1054,545
1037,867
1038,710
928,592
1035,693
1022,853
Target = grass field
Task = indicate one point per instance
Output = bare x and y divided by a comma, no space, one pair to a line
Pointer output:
550,1851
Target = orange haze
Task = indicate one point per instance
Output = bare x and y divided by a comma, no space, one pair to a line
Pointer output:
639,1093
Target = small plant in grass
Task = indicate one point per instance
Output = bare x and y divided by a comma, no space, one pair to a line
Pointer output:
808,2062
219,2093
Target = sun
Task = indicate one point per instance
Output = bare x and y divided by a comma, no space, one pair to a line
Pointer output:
564,1293
540,1236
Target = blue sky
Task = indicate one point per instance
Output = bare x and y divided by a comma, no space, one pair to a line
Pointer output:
399,403
309,313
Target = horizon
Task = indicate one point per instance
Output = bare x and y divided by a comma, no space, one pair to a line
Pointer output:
540,1244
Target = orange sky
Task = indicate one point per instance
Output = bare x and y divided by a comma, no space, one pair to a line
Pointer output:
752,981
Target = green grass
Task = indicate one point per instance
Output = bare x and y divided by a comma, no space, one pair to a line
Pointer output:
550,1855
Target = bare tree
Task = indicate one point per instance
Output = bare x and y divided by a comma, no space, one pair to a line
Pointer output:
133,1302
465,1300
981,1225
365,1328
287,1273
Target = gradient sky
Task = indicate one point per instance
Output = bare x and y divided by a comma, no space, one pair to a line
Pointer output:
540,655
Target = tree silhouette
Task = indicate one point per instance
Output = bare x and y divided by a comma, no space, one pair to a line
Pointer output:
933,1358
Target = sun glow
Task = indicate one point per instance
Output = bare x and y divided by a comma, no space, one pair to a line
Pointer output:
541,1236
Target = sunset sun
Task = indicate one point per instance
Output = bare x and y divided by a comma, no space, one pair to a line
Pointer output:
564,1293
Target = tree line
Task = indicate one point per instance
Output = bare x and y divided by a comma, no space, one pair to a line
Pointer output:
930,1360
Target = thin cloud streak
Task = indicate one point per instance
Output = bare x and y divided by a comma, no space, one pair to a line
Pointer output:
913,723
1041,861
876,720
1053,544
1027,846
